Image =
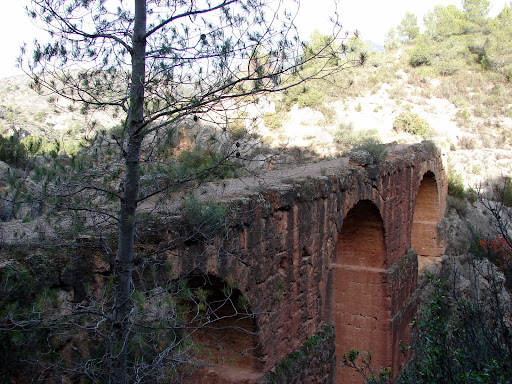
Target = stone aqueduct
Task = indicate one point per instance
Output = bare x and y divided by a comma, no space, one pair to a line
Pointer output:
327,247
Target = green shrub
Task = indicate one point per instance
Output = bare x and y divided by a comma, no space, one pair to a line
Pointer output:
504,192
344,133
411,123
205,165
347,139
40,116
12,151
236,125
463,115
456,185
203,219
361,362
375,148
33,144
329,115
459,340
273,120
458,204
51,147
303,96
419,58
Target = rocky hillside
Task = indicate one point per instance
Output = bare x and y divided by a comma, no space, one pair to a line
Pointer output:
477,144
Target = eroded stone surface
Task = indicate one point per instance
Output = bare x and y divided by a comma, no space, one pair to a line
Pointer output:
330,249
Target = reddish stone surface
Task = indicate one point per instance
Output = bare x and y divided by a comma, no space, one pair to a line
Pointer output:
362,300
319,248
330,250
425,239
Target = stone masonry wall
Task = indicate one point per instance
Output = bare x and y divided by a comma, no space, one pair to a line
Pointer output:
284,250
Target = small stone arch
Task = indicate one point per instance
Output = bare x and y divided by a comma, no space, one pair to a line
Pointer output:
425,239
361,299
227,332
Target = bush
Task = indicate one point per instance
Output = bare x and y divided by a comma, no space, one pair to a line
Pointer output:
304,96
329,115
273,120
463,116
461,340
466,142
498,251
236,125
205,164
411,123
456,185
459,204
39,116
504,192
12,151
375,148
347,139
33,144
203,219
419,57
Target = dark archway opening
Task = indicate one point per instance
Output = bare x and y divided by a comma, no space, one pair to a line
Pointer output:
224,331
361,300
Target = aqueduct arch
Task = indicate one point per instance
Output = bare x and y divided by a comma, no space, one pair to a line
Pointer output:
321,255
361,301
328,248
227,332
425,239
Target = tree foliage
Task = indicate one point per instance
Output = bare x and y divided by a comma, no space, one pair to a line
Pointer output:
456,38
462,339
476,10
408,28
444,22
12,151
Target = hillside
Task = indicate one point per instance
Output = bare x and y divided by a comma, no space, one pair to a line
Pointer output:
468,111
469,114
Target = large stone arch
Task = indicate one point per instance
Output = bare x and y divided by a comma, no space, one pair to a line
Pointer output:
361,298
227,333
425,239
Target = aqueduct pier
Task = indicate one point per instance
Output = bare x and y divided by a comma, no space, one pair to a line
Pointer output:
327,249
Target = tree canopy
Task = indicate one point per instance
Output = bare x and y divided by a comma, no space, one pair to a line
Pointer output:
408,28
454,38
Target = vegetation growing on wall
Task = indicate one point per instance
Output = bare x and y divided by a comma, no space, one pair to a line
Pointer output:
159,63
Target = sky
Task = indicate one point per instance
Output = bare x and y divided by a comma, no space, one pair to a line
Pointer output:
372,18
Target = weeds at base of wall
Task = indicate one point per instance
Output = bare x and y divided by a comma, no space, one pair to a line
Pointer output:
300,358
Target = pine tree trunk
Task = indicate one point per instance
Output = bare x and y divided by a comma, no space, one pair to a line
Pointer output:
124,257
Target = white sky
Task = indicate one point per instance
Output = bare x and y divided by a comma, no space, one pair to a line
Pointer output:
373,19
